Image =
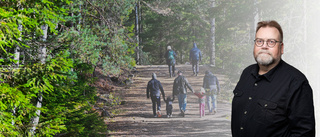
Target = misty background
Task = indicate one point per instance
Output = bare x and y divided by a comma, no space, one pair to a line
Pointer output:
224,31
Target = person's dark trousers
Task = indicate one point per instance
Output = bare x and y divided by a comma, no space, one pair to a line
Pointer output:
169,109
195,67
171,70
156,104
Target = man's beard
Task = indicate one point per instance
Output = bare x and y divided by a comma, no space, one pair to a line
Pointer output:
264,58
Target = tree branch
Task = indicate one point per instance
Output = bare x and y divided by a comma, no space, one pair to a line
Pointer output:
164,12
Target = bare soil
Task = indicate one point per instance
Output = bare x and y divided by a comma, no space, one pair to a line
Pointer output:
136,118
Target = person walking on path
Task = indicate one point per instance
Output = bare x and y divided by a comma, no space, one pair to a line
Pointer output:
180,85
171,61
195,57
169,107
153,88
202,101
212,87
272,98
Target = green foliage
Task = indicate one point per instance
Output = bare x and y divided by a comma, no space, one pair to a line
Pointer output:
57,83
76,114
31,80
12,99
97,41
81,36
30,15
80,125
186,25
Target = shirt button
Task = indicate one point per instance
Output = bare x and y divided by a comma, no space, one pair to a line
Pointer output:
245,112
241,128
265,105
250,98
255,84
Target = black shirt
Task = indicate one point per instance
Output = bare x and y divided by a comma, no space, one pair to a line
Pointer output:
276,104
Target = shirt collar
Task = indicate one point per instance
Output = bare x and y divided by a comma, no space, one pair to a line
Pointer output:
269,75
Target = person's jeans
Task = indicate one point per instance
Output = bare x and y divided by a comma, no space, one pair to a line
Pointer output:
182,99
212,102
195,66
156,104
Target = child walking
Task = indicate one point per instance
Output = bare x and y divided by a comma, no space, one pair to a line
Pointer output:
202,101
169,107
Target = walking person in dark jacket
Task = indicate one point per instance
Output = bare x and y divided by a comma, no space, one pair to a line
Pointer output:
171,61
153,88
180,90
212,87
195,58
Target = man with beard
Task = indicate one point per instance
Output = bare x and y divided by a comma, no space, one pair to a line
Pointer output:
272,98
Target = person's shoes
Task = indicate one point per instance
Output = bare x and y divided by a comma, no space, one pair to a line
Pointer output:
196,74
171,115
155,116
214,112
182,113
159,113
168,116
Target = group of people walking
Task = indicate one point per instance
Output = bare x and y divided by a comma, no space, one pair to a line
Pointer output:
208,92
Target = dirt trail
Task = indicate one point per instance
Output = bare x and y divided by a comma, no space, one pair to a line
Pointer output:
137,118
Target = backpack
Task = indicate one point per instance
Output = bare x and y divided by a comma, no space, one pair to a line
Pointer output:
170,55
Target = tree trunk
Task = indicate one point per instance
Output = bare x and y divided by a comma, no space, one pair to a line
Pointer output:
17,58
42,56
35,120
80,17
43,49
17,49
137,33
17,55
213,47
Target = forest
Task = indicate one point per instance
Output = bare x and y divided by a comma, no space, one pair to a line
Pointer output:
51,49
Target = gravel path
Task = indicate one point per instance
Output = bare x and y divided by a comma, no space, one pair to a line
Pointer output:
136,118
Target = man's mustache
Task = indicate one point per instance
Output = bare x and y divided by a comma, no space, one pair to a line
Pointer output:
264,51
